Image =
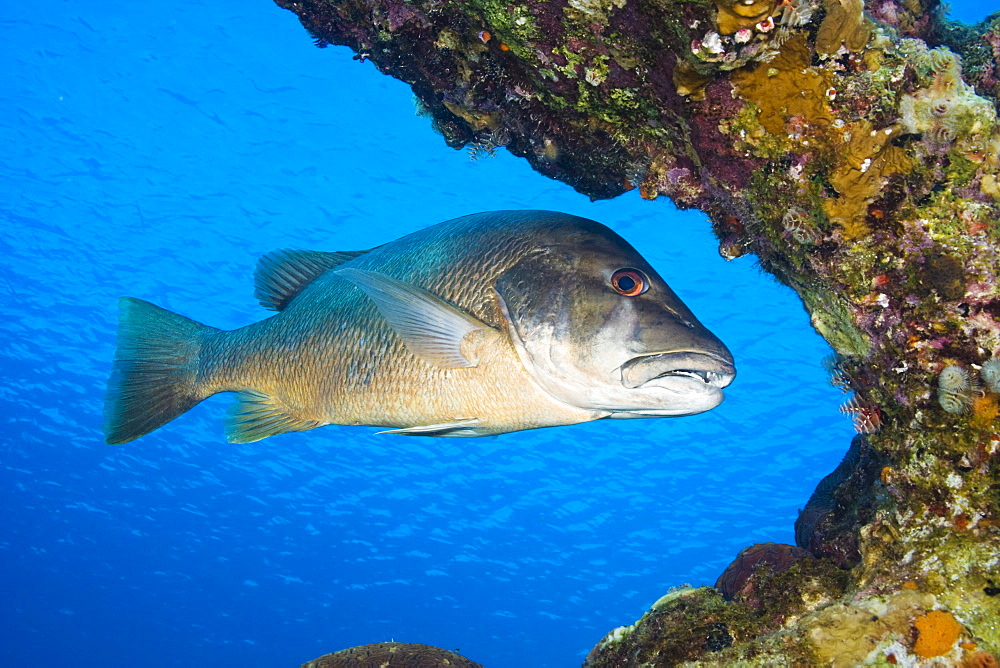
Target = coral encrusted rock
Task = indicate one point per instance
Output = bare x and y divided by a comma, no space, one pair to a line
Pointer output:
392,655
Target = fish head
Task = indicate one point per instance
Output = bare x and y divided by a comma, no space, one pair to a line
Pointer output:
599,329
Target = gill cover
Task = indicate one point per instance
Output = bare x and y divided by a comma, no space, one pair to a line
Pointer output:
594,341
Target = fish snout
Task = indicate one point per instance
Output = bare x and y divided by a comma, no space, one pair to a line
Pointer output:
712,370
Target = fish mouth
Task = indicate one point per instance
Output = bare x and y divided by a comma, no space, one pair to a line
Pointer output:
681,370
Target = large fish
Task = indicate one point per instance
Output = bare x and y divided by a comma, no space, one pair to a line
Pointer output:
486,324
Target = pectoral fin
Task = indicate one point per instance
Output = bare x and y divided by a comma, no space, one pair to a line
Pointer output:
458,428
431,328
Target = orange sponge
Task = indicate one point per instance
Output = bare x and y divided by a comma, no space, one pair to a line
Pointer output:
937,631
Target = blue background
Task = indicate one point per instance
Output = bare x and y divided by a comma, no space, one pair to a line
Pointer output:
156,150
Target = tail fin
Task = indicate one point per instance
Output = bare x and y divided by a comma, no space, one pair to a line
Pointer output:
156,370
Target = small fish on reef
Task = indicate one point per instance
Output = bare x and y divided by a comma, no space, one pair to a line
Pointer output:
487,324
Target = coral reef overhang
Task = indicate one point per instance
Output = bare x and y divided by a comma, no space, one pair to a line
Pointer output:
854,148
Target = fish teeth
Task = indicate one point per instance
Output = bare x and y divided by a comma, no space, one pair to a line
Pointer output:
715,379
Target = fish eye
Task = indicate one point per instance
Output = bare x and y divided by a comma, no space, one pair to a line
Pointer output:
629,282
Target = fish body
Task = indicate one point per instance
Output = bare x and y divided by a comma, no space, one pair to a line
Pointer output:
482,325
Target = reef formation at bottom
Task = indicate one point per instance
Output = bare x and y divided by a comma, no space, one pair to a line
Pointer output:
844,596
392,655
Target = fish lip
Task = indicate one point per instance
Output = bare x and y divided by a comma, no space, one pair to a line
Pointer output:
706,370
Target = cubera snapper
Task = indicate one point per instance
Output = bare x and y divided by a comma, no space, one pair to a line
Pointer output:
486,324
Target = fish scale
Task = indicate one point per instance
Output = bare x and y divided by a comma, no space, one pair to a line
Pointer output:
386,386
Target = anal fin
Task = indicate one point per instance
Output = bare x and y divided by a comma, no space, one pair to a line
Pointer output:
257,415
465,427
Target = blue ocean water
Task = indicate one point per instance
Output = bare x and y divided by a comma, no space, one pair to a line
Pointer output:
157,151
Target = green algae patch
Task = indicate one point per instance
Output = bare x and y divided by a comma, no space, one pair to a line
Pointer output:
832,318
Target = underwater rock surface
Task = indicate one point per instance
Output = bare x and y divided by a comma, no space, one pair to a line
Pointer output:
844,501
753,566
854,148
392,655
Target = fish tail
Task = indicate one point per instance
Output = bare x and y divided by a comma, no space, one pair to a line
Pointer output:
155,374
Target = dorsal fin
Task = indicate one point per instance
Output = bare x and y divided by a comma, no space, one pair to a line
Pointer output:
280,275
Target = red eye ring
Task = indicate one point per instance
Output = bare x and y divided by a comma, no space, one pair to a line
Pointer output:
629,282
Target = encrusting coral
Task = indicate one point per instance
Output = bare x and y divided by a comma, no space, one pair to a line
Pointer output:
844,27
866,162
735,15
852,147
